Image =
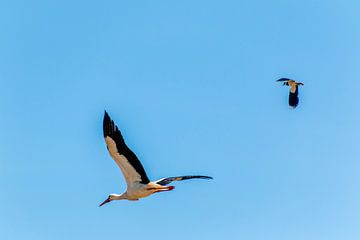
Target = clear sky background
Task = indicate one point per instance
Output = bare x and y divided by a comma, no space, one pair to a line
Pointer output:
191,84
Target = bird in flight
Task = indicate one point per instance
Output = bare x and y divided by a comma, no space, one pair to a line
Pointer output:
294,90
138,183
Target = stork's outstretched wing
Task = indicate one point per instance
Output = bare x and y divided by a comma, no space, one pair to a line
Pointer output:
125,158
166,181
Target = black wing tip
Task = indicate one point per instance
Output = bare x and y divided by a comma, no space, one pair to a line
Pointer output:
106,115
206,177
107,125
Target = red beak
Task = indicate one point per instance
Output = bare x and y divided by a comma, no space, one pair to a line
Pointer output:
106,201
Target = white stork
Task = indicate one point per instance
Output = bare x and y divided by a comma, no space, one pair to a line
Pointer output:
138,183
294,90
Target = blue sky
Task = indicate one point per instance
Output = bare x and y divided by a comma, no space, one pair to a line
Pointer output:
191,84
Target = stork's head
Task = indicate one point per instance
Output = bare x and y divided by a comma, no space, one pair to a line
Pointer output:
112,197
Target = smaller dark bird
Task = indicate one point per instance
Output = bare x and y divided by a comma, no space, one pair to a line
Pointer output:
294,90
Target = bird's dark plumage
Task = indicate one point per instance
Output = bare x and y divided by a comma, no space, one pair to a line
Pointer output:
294,90
293,98
112,131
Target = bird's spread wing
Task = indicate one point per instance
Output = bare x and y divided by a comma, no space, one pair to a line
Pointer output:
166,181
283,80
127,161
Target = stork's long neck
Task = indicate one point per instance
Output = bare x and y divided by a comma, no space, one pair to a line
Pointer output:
119,196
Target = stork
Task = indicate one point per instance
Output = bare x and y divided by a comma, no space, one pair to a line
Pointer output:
294,90
138,183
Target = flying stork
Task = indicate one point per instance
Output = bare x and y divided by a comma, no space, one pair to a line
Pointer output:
138,183
294,90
